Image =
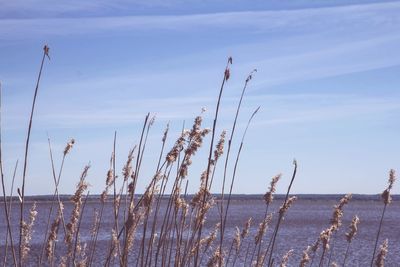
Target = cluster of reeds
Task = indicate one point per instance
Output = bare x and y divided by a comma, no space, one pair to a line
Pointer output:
144,234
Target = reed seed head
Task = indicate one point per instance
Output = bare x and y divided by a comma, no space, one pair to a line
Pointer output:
336,220
305,258
246,228
69,146
387,198
237,240
383,250
53,234
353,229
285,258
268,197
262,227
215,259
325,237
46,50
27,230
283,209
219,150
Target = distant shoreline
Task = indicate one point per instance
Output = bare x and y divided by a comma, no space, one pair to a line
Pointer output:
369,197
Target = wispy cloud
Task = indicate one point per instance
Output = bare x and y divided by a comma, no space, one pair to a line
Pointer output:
277,109
353,16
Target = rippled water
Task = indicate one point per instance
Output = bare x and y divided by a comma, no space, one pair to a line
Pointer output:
301,227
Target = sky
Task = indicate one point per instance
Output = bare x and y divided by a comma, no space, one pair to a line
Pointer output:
327,85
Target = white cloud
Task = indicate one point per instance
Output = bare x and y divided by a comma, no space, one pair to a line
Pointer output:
354,16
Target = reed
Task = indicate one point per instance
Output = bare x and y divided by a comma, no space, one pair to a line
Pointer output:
350,236
387,199
22,191
164,226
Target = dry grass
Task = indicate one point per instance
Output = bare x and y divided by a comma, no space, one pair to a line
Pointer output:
174,235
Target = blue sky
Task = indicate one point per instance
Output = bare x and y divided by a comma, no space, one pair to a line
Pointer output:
327,83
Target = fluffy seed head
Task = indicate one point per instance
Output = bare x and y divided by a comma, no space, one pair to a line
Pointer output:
383,250
246,228
268,197
69,146
285,258
287,205
353,228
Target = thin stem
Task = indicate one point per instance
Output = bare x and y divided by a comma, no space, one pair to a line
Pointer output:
222,224
346,254
79,227
45,53
281,214
9,208
226,77
4,192
377,235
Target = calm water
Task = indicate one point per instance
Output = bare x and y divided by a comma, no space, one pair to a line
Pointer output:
301,227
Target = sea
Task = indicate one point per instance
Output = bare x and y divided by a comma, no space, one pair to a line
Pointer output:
301,227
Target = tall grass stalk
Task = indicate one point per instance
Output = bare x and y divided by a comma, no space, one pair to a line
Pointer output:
213,130
9,203
275,233
55,194
222,219
45,54
387,199
6,210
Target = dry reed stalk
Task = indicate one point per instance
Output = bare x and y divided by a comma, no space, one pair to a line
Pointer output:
216,259
180,212
235,244
386,200
172,156
53,236
314,249
281,213
325,237
138,213
207,241
115,199
76,199
383,250
262,228
350,235
219,150
67,149
195,139
249,77
10,197
268,198
305,258
147,202
213,130
9,232
135,174
131,187
77,245
336,220
149,252
27,231
21,221
235,167
103,198
151,122
199,220
243,235
285,258
181,226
